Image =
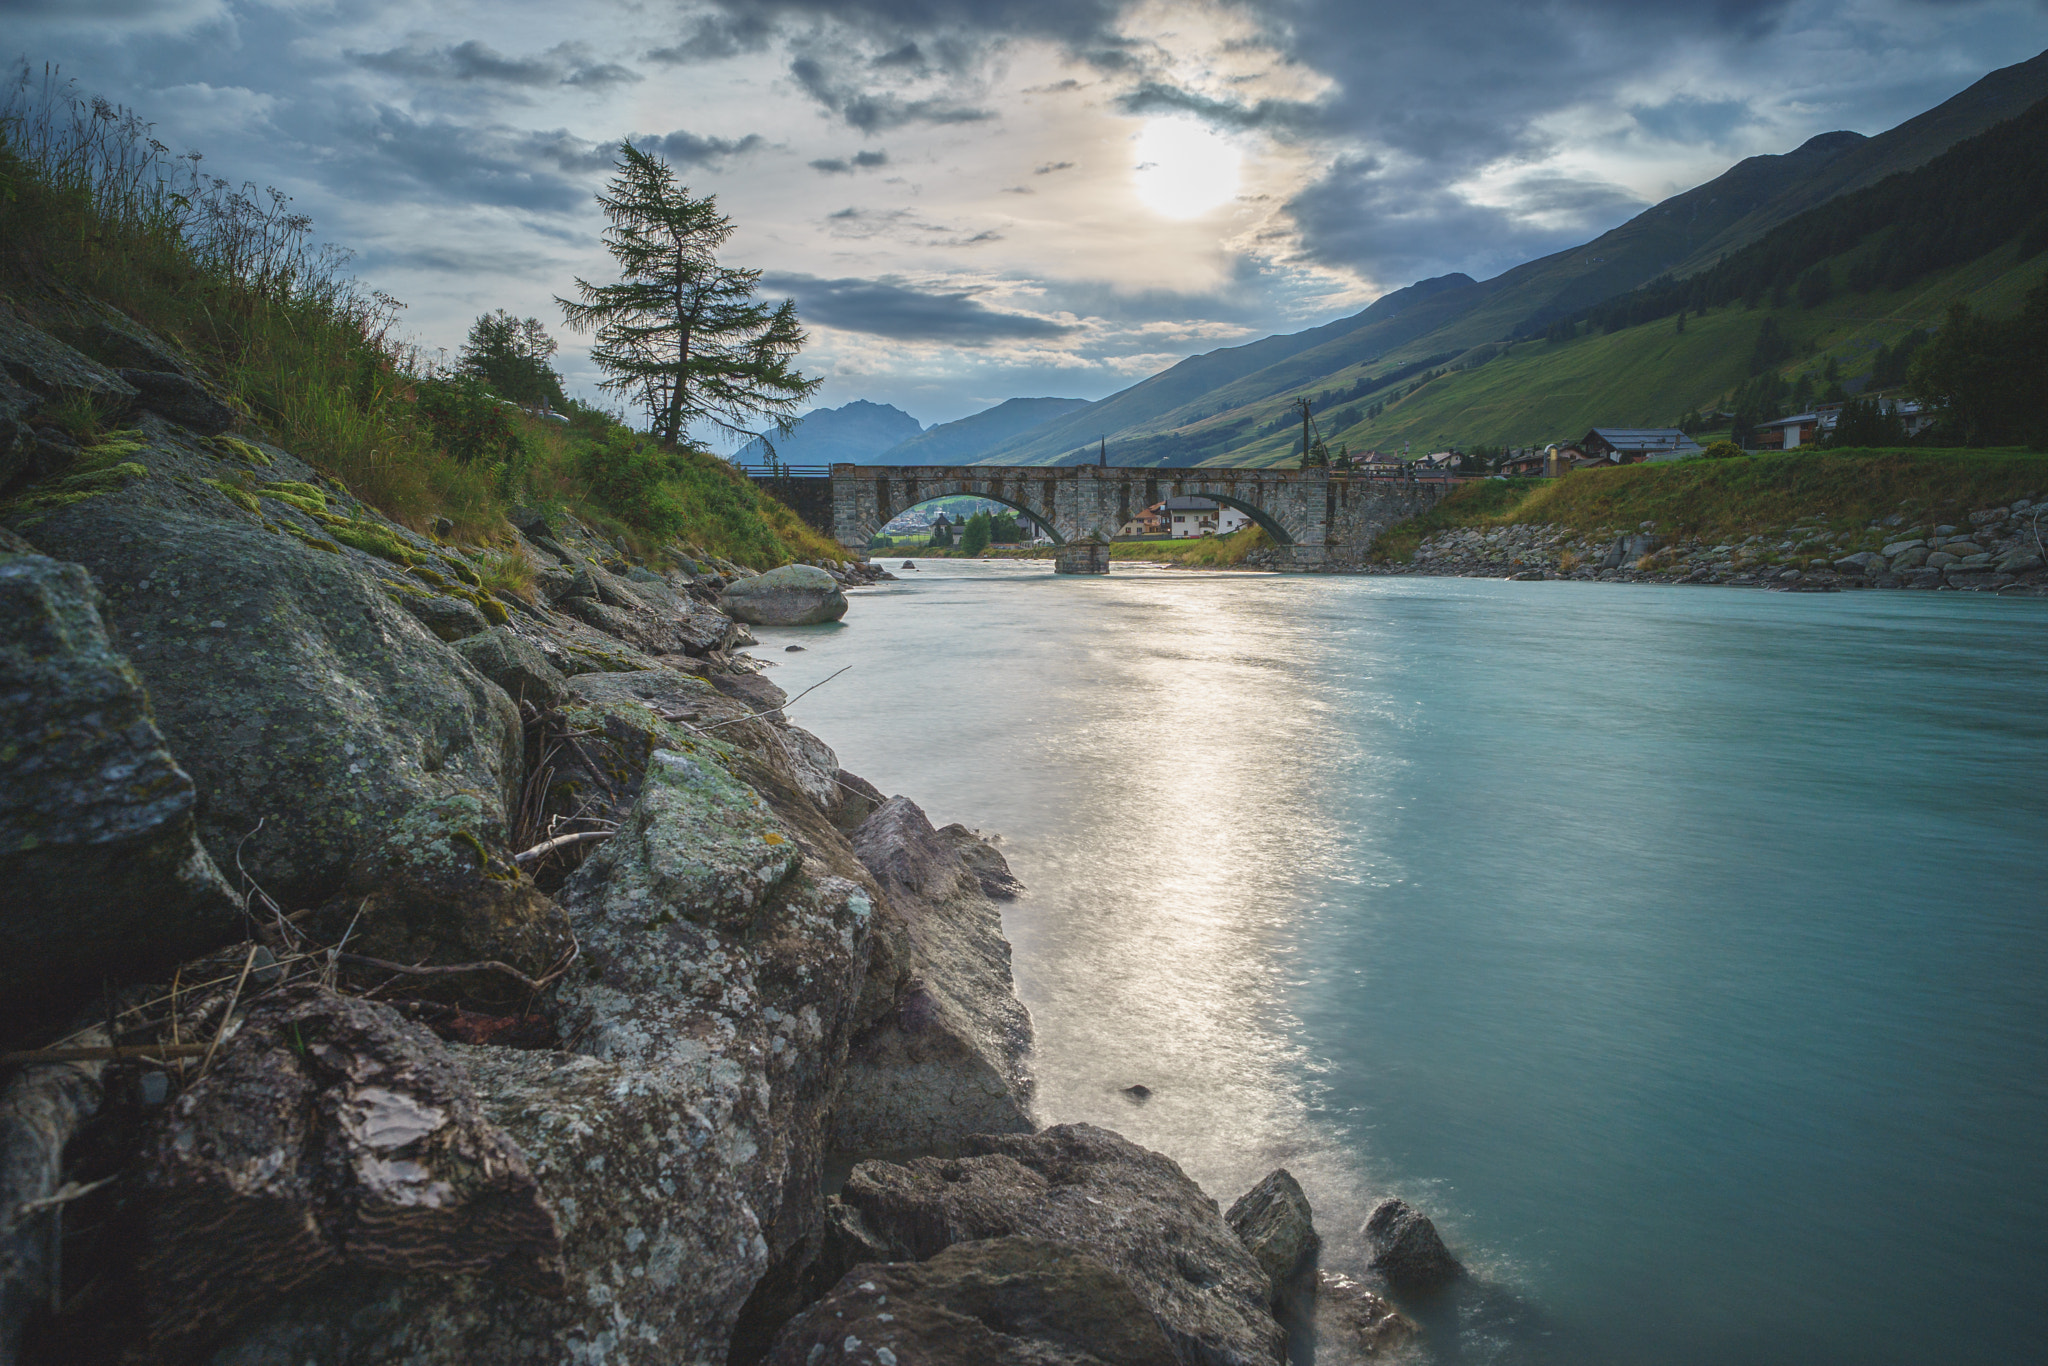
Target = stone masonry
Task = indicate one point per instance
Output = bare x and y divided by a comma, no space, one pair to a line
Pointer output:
1313,515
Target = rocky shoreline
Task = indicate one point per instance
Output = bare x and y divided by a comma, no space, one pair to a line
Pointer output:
432,952
1996,550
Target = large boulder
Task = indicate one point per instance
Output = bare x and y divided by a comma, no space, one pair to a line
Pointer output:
1093,1190
678,1140
794,595
1274,1221
515,664
330,1136
300,696
648,615
1003,1302
1407,1249
99,851
942,1053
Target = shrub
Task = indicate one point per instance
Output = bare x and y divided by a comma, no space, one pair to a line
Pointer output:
1722,450
466,419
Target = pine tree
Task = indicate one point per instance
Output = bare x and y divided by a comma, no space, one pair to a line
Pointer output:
511,355
679,333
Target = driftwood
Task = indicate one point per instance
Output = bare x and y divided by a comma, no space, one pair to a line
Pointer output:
452,969
546,847
40,1111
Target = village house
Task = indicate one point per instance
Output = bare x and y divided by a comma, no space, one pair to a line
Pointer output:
1524,462
1191,517
1151,521
1804,429
1634,445
1789,433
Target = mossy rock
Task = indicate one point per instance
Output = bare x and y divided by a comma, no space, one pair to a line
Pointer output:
304,497
233,448
317,542
240,497
313,709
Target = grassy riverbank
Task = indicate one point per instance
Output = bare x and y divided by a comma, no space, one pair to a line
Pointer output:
109,236
1719,499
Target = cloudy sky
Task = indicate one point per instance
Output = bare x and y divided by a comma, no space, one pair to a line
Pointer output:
976,199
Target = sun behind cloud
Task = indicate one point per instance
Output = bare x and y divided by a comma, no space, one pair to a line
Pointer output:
1184,170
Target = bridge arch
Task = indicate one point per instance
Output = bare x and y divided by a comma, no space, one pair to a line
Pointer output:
1022,508
988,490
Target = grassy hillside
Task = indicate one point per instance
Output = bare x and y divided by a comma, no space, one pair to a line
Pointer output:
1846,490
105,232
1540,391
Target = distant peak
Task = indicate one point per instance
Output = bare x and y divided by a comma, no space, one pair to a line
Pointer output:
1840,140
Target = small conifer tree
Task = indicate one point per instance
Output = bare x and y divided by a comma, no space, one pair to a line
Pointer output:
679,333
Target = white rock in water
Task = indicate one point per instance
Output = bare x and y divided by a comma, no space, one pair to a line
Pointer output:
794,595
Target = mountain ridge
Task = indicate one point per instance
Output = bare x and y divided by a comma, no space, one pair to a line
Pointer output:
855,432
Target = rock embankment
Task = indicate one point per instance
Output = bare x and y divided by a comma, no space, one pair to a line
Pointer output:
1994,549
444,952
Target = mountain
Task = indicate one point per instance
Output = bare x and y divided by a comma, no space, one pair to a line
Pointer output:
964,441
1188,382
1232,406
857,432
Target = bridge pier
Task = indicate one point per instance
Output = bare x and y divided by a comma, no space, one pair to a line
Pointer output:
1086,556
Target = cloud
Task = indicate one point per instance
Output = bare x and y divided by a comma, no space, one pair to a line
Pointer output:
211,109
688,149
887,307
477,62
865,161
1154,97
1687,118
1049,167
871,112
715,37
389,152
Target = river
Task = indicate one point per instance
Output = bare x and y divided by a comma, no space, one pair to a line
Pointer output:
1682,951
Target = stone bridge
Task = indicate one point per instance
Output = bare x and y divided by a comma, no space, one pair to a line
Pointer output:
1314,516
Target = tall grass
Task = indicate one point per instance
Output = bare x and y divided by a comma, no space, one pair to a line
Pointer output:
94,208
1205,552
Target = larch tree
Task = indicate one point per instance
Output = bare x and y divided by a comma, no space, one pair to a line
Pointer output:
679,333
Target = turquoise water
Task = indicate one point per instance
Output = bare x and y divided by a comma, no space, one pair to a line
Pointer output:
1682,951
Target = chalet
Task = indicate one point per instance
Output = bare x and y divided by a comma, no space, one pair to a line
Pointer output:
1790,433
1525,463
1151,521
1189,517
1634,445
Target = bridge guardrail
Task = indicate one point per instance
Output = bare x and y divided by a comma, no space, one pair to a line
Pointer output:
787,471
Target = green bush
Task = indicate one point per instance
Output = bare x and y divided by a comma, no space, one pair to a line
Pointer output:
467,420
1722,450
